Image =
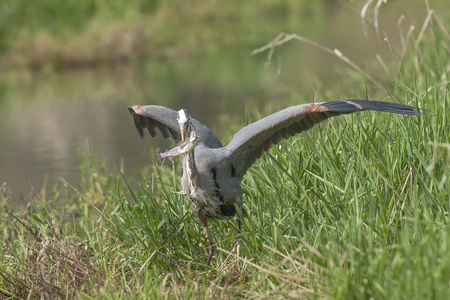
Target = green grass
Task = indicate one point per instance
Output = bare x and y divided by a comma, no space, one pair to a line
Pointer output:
355,208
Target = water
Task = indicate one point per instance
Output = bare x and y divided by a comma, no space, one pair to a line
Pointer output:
47,116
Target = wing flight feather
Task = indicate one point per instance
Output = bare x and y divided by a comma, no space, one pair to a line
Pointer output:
164,119
252,141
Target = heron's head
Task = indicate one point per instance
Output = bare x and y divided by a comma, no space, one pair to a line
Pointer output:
184,120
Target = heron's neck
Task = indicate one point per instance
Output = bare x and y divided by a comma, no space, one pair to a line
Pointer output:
191,170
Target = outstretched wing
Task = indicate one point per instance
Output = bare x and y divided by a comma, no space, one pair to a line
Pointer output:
252,141
151,117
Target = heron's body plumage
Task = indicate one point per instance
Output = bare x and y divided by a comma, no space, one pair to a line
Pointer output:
204,174
212,172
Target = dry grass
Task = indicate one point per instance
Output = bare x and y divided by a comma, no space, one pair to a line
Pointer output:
51,265
299,277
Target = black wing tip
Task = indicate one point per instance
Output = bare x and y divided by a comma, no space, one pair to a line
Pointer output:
350,106
141,132
143,121
135,115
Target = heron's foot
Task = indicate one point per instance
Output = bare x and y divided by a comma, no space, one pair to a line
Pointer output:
211,252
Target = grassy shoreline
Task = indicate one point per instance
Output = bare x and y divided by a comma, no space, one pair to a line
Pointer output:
356,208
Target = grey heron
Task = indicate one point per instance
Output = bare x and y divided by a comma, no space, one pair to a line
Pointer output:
212,172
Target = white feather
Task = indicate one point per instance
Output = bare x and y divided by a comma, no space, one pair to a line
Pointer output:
182,117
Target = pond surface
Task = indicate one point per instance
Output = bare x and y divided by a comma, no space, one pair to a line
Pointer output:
47,117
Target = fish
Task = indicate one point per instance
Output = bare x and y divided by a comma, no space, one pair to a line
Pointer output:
182,148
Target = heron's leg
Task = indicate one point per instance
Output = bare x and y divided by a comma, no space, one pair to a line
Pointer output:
204,221
244,214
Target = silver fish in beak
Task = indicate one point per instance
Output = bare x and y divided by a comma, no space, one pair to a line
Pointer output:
182,148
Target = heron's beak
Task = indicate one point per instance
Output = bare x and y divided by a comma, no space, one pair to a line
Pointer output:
185,131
